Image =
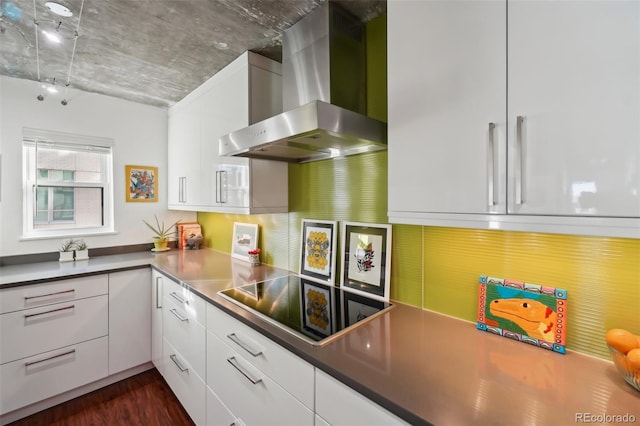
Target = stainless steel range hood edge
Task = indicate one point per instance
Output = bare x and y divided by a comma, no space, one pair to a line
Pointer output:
312,132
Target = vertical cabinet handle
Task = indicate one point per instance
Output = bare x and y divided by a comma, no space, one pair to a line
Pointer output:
217,186
234,362
491,166
158,291
223,178
182,189
174,358
519,169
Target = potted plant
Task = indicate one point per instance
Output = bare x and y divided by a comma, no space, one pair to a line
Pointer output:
66,250
82,251
162,233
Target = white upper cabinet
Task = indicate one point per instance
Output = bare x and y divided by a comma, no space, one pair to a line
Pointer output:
574,79
524,117
244,92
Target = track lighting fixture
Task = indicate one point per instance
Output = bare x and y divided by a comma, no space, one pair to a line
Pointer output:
55,36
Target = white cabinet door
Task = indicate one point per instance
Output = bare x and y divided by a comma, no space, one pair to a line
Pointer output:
129,319
157,282
188,386
184,157
574,78
446,78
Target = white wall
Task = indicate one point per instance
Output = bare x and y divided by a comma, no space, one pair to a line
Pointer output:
140,135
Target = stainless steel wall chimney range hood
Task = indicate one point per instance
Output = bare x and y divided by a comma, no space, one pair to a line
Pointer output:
324,96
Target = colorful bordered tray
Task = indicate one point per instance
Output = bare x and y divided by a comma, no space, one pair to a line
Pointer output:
525,312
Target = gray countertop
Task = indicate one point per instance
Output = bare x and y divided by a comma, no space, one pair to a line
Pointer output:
420,365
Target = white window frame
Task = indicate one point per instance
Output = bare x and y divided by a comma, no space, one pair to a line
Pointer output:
44,138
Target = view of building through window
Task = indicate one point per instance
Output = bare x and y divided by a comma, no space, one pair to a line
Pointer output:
68,186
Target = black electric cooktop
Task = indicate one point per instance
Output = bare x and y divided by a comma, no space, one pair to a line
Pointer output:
312,311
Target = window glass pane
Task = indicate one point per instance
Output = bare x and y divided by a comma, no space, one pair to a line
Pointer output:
80,207
42,205
63,204
43,174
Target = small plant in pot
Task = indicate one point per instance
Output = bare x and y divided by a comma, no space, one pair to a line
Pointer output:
66,250
162,233
82,251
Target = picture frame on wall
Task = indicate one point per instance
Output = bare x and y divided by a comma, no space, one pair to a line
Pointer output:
366,258
318,250
244,239
141,184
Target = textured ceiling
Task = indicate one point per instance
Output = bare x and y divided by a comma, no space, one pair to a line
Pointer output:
149,51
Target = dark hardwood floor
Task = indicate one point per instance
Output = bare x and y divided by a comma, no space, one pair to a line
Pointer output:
144,399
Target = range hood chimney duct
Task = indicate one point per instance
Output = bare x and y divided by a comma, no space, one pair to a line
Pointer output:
324,96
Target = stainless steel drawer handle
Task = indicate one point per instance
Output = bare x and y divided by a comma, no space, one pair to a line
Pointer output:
51,311
235,339
177,315
179,298
174,358
235,364
28,364
49,294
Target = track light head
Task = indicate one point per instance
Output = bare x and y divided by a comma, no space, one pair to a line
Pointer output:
40,97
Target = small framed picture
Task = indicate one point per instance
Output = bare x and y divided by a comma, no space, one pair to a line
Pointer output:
141,184
245,238
366,257
318,250
317,309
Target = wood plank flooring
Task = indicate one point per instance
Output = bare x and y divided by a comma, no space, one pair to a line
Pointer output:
144,399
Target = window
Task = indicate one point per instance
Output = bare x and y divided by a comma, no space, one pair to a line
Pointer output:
67,184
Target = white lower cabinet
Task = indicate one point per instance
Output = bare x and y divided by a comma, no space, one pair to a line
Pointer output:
249,393
34,331
185,383
217,413
338,404
129,319
29,380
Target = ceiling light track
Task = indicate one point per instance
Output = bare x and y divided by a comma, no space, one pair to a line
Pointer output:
62,11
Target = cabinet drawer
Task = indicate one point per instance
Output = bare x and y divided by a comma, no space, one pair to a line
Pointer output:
29,380
192,305
32,296
249,393
217,412
33,331
185,383
289,371
338,404
185,335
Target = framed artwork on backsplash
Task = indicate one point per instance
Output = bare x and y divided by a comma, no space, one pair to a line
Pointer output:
245,239
366,258
318,250
525,312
